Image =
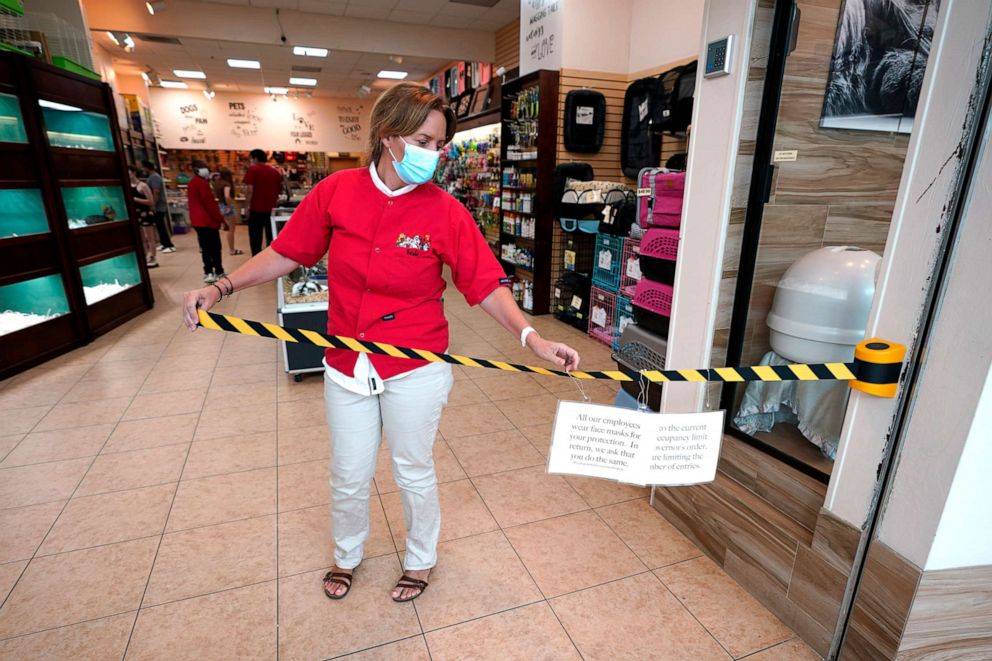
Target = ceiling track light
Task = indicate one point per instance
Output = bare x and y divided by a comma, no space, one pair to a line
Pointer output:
209,93
155,7
122,39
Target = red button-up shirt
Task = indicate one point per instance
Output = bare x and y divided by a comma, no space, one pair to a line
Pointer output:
203,209
384,263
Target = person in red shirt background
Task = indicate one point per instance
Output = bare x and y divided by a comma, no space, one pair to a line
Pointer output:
263,186
388,233
207,221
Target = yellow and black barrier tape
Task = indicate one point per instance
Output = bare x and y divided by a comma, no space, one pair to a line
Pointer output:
875,369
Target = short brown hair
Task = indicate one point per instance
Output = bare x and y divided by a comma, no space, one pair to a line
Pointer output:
401,110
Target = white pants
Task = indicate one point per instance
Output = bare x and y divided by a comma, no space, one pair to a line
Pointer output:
408,411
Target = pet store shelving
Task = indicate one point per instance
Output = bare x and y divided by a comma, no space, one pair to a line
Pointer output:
71,262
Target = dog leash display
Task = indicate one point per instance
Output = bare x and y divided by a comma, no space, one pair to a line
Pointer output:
875,369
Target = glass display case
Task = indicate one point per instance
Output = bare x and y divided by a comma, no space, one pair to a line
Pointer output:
11,122
23,213
75,128
108,277
31,302
302,303
93,205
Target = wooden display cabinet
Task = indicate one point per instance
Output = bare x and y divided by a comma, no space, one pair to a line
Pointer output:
62,159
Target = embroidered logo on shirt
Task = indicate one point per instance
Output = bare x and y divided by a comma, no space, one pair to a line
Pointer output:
414,243
506,281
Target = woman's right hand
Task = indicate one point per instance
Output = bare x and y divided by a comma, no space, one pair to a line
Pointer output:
198,299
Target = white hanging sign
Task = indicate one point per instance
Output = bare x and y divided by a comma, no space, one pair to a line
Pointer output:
540,35
637,447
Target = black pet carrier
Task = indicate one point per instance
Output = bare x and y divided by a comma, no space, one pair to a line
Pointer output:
640,144
585,121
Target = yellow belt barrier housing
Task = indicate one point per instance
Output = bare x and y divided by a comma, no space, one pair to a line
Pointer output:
875,370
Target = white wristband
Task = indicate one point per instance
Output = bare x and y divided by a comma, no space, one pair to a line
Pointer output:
524,333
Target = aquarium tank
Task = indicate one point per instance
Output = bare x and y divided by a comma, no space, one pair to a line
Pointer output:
23,212
25,304
11,122
68,126
93,205
108,277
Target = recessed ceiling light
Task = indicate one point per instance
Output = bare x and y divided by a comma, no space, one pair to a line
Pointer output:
155,7
276,90
309,82
174,84
57,106
393,75
309,51
244,64
189,73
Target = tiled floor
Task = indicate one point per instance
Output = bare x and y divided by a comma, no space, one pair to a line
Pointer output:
163,495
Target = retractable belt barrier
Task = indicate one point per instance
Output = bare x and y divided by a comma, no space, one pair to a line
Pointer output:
875,369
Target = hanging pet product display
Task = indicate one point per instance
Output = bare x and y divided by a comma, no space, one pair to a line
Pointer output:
585,121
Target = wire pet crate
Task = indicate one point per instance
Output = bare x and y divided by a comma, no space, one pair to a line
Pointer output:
624,317
607,261
631,273
659,250
576,251
571,300
602,315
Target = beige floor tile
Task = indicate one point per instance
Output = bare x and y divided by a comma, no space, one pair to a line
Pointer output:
311,626
471,419
495,452
304,485
304,444
82,585
474,577
599,493
539,436
134,352
301,413
530,633
130,470
635,618
572,552
116,369
529,411
235,624
27,395
240,395
25,420
109,518
792,650
235,420
88,391
24,528
734,617
655,541
98,640
241,374
43,446
9,573
162,404
84,414
289,390
228,455
306,543
8,443
408,649
466,392
445,465
204,560
527,494
223,498
261,351
40,483
151,433
507,385
170,379
463,513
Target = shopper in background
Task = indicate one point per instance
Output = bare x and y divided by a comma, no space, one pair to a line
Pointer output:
144,203
387,232
262,187
223,187
161,209
206,219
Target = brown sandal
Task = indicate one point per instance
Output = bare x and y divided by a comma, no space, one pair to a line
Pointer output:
336,577
410,582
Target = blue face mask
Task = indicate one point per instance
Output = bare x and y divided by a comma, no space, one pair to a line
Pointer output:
418,164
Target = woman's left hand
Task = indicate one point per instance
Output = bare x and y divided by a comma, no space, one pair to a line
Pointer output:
558,353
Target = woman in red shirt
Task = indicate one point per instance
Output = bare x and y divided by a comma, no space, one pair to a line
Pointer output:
388,232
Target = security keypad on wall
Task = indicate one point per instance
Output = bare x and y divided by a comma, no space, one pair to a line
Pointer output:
718,57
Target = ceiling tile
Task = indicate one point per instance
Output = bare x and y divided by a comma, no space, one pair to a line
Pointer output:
277,4
359,11
323,7
429,6
456,9
448,21
415,17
